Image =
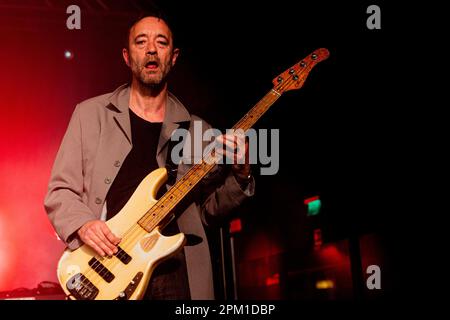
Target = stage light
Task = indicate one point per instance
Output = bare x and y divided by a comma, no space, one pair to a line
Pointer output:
318,239
273,280
235,225
68,55
325,284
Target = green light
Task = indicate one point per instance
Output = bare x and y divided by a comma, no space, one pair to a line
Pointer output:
314,207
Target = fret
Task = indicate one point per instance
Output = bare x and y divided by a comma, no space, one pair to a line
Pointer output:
195,174
182,187
257,111
178,192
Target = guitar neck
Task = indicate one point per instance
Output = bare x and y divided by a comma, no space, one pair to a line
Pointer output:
257,111
181,188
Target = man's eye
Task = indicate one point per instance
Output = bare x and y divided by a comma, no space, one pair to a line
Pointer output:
163,43
140,42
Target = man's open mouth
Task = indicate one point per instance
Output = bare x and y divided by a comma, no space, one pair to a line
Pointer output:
151,65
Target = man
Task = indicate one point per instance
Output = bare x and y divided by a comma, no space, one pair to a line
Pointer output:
113,141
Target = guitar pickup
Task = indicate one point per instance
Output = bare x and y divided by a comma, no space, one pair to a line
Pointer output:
101,270
124,257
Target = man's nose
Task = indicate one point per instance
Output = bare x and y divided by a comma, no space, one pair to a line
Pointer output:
151,49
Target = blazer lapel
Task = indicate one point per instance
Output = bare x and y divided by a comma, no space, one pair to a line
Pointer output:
120,99
175,113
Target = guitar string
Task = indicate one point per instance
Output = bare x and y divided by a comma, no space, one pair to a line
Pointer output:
138,230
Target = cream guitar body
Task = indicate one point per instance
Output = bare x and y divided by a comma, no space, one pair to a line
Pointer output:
126,274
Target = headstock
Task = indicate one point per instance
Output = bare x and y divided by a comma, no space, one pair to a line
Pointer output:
294,77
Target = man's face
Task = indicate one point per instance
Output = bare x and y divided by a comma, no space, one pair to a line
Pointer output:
151,54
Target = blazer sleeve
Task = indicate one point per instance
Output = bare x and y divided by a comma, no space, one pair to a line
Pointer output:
63,201
224,198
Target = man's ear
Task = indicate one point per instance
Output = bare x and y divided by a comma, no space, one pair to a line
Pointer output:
175,54
126,57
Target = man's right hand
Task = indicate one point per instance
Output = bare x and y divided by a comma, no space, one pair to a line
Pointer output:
99,237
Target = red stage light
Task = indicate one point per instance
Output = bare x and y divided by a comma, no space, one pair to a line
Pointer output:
317,239
273,280
308,200
235,225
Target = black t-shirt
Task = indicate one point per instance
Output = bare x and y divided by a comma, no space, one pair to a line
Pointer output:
138,164
170,279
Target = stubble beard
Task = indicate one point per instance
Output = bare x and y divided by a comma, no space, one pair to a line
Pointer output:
154,80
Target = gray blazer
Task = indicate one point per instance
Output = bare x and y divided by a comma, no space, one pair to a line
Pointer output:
96,143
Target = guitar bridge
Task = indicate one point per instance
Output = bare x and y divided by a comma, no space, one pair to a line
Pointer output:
81,288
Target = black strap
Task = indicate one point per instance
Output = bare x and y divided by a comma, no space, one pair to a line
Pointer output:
172,168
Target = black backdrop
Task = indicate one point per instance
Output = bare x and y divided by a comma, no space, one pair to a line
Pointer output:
337,133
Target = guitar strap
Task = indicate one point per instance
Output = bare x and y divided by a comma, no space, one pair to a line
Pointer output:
172,167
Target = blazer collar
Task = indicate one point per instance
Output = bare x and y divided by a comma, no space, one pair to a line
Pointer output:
120,98
174,114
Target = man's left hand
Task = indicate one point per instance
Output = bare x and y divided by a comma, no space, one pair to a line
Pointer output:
237,149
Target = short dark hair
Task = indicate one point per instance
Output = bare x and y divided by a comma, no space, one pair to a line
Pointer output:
152,12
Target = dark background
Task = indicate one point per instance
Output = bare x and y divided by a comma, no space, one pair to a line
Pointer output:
337,134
